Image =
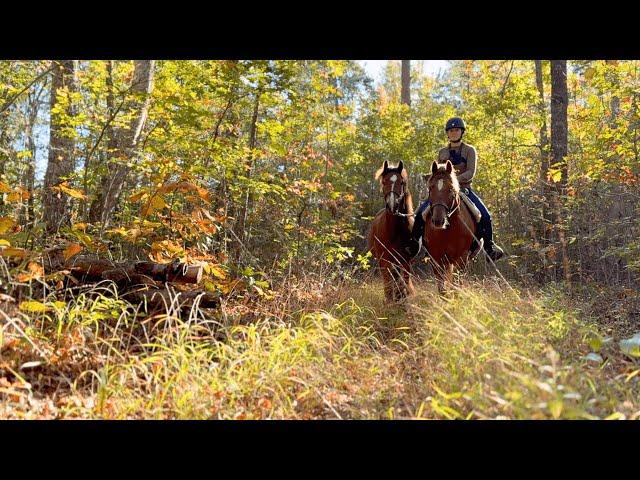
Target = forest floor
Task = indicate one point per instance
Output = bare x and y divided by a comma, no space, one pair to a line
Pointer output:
314,349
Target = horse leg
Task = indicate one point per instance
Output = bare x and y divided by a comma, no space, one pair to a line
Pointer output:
387,279
397,284
408,283
461,265
449,274
439,273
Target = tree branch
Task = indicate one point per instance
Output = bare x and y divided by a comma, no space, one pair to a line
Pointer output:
10,102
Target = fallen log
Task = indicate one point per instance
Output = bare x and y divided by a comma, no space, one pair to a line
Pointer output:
137,281
92,268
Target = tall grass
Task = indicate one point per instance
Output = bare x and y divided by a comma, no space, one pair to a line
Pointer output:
315,351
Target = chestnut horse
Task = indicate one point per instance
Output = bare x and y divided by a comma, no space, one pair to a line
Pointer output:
391,231
449,226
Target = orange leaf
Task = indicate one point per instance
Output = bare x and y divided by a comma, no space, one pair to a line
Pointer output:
137,196
71,250
14,252
203,193
4,188
35,270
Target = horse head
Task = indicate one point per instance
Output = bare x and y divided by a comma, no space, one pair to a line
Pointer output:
394,184
444,193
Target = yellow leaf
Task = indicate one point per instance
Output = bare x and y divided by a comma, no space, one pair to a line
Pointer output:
120,230
72,192
589,73
217,272
555,407
4,243
14,197
4,188
13,252
79,227
616,416
158,202
6,223
33,306
133,234
84,238
71,250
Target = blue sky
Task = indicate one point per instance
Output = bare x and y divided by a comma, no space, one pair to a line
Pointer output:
375,67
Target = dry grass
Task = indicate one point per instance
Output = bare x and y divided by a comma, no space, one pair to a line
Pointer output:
315,350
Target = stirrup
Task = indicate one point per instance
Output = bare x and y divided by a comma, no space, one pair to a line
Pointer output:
410,248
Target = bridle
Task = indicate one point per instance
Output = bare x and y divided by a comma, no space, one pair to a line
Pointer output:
455,205
450,210
400,197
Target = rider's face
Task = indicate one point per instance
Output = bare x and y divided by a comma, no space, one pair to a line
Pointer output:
454,134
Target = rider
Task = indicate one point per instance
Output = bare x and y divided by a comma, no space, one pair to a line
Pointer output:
464,158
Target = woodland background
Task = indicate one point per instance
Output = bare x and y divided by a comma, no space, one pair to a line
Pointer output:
262,172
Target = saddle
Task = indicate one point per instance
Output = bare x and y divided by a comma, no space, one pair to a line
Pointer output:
471,206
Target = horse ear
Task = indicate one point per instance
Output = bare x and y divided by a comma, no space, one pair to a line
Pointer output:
385,166
434,167
449,166
400,166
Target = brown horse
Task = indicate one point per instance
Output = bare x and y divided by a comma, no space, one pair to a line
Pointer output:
449,226
391,231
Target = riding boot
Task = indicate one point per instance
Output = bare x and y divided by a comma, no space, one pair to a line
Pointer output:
415,242
494,252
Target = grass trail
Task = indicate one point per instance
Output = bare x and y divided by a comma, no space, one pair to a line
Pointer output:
316,351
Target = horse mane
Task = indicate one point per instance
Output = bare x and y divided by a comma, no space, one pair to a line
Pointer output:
408,201
442,173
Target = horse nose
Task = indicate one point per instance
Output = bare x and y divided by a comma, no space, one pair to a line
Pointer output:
439,223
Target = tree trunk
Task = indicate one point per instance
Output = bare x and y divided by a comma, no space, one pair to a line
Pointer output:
244,211
33,108
61,145
546,219
406,82
559,146
615,99
125,143
544,139
559,130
